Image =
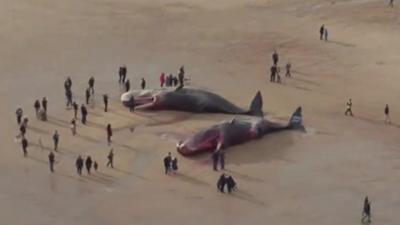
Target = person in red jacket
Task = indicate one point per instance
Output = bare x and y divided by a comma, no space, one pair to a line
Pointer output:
162,79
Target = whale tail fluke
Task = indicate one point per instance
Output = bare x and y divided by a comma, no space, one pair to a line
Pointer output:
296,120
257,105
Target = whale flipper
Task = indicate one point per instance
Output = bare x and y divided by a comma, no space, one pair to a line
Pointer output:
256,105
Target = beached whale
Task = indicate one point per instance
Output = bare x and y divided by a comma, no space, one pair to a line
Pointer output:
235,132
189,100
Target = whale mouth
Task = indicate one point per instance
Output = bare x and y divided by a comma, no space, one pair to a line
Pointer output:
142,102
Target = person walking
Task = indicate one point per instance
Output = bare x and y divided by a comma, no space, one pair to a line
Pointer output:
387,116
44,104
73,126
167,163
131,104
36,105
366,214
24,144
22,129
215,158
88,164
68,84
110,158
349,105
84,113
75,107
105,101
109,133
321,32
326,34
19,114
91,84
51,161
127,85
162,79
79,165
231,184
87,95
275,58
143,84
56,138
221,183
288,70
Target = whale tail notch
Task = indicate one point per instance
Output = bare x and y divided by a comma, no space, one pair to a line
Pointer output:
257,105
296,120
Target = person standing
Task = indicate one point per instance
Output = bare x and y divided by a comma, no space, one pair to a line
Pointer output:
387,116
326,34
167,163
143,84
68,95
109,133
68,84
95,166
273,73
24,143
132,104
275,58
288,70
56,138
221,183
110,158
87,95
349,104
127,85
51,161
231,184
88,164
19,113
79,165
105,101
321,32
174,165
37,107
73,126
44,104
215,158
122,74
366,211
222,158
84,113
391,3
91,84
75,107
162,79
22,129
181,76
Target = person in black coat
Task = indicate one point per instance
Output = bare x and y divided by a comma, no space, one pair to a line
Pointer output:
221,183
127,85
84,113
44,104
109,133
19,113
79,165
167,163
52,160
88,164
231,184
143,83
75,107
105,100
24,143
87,95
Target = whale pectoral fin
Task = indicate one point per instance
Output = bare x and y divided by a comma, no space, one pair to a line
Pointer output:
296,120
257,105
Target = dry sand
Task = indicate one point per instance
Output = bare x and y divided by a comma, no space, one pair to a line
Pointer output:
318,177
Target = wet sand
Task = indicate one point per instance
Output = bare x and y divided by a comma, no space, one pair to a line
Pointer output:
318,177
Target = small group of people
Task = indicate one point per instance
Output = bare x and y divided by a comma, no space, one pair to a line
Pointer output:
228,181
323,33
170,164
275,69
171,80
88,162
41,109
386,111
